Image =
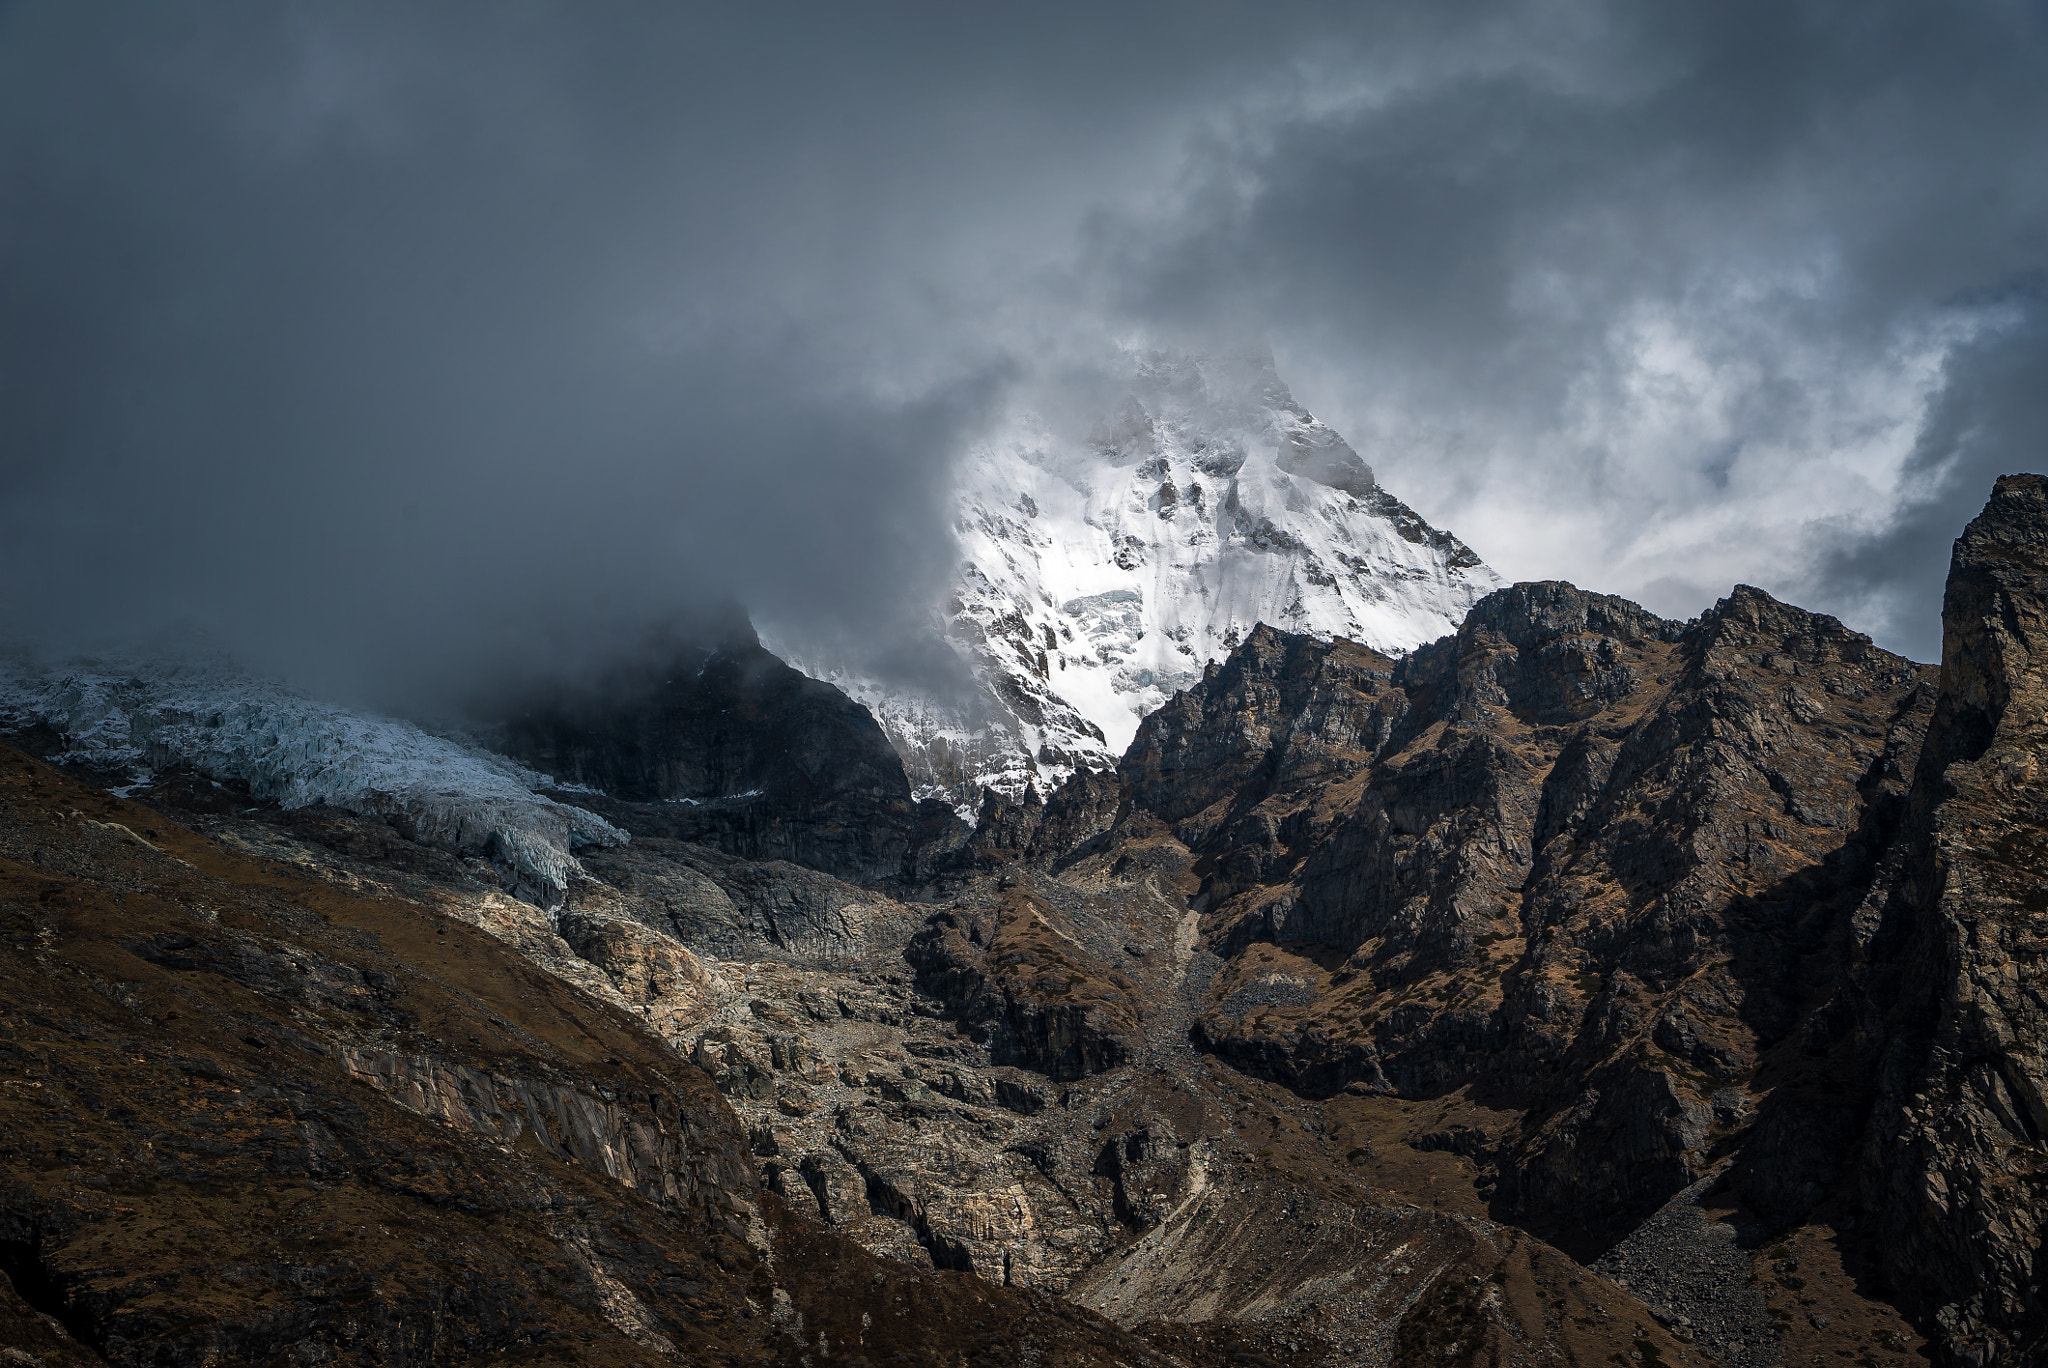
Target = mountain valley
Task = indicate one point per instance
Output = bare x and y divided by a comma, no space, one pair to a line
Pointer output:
1563,985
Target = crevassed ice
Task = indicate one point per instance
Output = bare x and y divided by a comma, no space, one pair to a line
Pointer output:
295,751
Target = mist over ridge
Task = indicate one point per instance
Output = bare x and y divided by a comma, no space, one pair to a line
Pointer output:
400,349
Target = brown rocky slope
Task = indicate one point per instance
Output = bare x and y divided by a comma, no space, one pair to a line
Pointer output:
1020,1175
1580,860
1705,952
249,1117
1008,1143
1953,974
1742,911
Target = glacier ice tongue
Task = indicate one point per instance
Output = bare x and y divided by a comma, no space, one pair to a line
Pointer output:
202,711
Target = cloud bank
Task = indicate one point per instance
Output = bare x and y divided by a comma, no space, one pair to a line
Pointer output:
399,346
1655,299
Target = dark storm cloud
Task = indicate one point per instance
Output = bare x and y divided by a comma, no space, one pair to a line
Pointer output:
1656,297
396,344
384,340
1990,419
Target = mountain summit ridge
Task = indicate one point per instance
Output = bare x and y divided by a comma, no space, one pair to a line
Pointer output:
1106,560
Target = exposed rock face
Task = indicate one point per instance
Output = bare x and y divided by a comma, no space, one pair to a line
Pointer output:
291,1082
1037,1118
1574,855
1742,907
728,746
1256,1249
1033,991
1079,811
252,1117
1957,1155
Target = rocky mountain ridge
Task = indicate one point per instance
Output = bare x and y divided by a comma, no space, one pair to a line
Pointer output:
1580,987
1744,907
1954,1160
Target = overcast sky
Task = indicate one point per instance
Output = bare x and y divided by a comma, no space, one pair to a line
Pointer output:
394,342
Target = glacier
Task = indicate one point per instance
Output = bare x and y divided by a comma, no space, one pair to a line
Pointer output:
1104,565
199,709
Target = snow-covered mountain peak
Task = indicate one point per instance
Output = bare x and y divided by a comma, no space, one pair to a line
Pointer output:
1105,562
